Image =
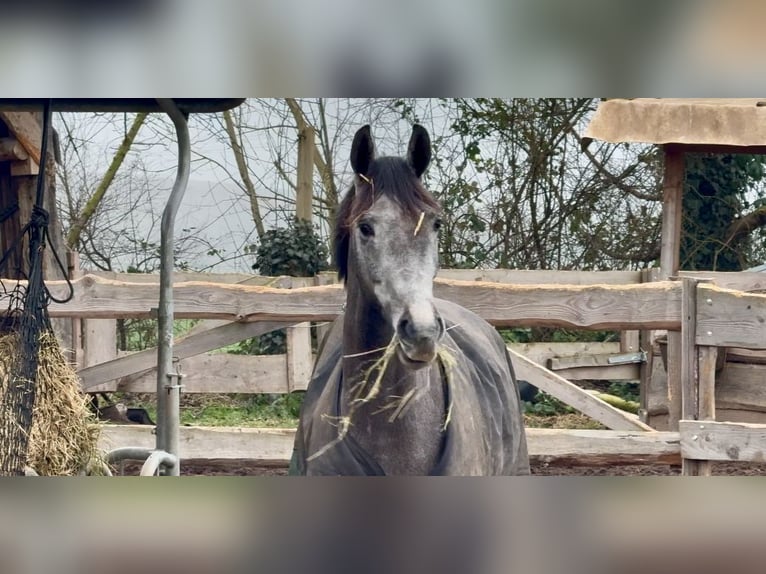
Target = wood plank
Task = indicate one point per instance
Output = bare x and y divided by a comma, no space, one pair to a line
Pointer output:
12,150
707,383
674,391
77,354
672,206
739,416
690,368
737,280
27,130
538,277
263,444
551,446
540,353
719,441
24,167
510,276
574,396
300,361
216,373
183,348
304,192
728,318
600,447
629,341
747,356
741,386
100,341
653,305
579,361
282,282
608,373
650,306
701,406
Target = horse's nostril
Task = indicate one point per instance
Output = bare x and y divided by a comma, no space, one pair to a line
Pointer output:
405,329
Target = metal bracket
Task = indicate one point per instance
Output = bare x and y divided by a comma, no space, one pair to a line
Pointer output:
177,376
628,358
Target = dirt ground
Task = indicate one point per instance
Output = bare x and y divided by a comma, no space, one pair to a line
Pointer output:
249,468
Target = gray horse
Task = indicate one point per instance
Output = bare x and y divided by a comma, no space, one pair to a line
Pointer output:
404,384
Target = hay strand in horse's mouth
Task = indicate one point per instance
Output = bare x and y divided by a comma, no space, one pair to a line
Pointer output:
447,362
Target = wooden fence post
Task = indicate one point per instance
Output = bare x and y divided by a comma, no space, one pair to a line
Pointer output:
299,357
673,189
77,352
697,373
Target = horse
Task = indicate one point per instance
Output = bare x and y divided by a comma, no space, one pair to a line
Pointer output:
404,383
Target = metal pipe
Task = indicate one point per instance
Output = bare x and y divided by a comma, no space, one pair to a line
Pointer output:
168,383
128,453
159,459
153,459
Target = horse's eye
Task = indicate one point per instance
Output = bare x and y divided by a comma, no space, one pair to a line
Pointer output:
366,229
437,224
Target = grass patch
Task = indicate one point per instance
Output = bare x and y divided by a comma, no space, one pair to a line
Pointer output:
566,421
226,410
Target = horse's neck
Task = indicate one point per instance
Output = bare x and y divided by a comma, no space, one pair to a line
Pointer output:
403,441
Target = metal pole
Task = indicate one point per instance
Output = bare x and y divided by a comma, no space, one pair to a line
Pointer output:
168,382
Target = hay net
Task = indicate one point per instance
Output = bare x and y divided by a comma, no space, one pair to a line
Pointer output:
44,418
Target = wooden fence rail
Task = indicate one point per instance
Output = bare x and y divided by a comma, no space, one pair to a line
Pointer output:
719,315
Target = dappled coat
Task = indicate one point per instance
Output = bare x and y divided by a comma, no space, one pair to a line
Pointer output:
485,434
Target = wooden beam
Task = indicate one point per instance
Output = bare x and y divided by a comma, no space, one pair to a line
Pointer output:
12,150
674,390
540,353
580,360
542,276
183,348
512,276
742,386
672,208
728,318
653,305
738,280
300,361
305,186
26,129
574,396
216,373
719,441
282,282
691,378
605,373
270,445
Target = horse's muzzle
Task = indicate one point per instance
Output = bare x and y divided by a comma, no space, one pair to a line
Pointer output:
419,337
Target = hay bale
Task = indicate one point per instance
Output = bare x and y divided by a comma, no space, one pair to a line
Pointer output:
65,432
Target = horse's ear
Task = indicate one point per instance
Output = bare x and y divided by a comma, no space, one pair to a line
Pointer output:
362,151
419,150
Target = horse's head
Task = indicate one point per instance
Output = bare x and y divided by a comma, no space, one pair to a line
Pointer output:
387,242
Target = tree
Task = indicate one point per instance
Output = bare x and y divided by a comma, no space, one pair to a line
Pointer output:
716,235
521,192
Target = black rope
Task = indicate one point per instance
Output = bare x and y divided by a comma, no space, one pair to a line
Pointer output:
18,402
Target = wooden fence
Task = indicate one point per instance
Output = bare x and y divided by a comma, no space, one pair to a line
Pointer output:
245,306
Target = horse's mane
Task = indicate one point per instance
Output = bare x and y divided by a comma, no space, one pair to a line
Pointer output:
387,176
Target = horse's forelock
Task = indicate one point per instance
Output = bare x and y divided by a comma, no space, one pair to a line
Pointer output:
390,177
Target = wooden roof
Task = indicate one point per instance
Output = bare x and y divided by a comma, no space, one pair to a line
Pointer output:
692,121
